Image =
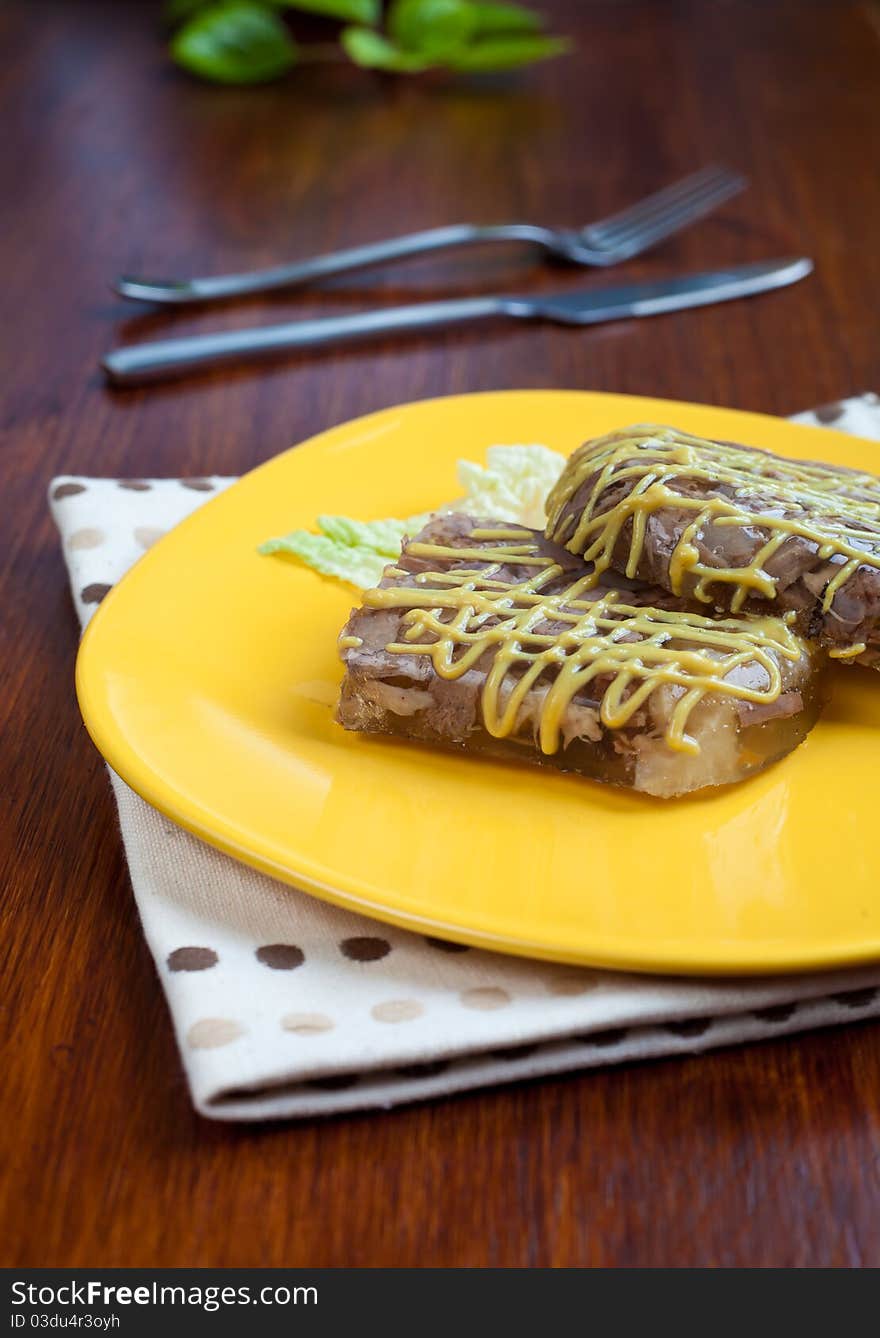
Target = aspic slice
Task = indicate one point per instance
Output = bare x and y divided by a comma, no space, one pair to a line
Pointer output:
489,638
732,527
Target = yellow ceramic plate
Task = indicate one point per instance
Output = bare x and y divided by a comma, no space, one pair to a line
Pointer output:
206,680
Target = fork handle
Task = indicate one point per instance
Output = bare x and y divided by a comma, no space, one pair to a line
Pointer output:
179,293
174,357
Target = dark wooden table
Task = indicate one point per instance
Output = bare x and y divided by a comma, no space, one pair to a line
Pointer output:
111,160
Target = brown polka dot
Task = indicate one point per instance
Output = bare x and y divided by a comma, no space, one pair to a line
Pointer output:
146,535
829,413
567,985
689,1026
67,490
397,1010
775,1012
198,485
94,593
364,949
485,998
307,1024
446,945
429,1069
856,998
604,1039
192,959
134,485
212,1032
86,538
280,956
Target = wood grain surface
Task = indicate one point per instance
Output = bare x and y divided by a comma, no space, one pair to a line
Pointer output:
111,160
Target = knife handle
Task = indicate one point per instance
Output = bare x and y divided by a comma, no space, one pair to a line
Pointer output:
175,357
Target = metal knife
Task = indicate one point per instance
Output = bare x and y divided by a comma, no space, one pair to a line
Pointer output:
175,357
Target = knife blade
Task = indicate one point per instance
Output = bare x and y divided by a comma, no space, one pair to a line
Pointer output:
675,294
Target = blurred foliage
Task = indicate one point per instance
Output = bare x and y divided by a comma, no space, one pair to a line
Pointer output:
252,41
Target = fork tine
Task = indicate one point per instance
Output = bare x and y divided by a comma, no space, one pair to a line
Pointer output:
674,214
713,184
635,215
665,225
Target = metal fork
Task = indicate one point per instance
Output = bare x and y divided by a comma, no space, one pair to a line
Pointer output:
608,241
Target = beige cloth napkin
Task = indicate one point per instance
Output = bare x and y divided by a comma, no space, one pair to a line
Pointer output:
284,1006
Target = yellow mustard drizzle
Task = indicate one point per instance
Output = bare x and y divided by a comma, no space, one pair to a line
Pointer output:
847,652
836,510
350,642
456,616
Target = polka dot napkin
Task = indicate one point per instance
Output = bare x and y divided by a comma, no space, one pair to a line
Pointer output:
283,1006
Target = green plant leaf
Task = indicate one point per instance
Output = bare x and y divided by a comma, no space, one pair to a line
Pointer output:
507,53
434,28
490,18
235,43
350,11
374,52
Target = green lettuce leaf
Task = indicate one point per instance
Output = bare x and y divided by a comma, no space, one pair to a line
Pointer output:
355,551
512,485
380,536
354,564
